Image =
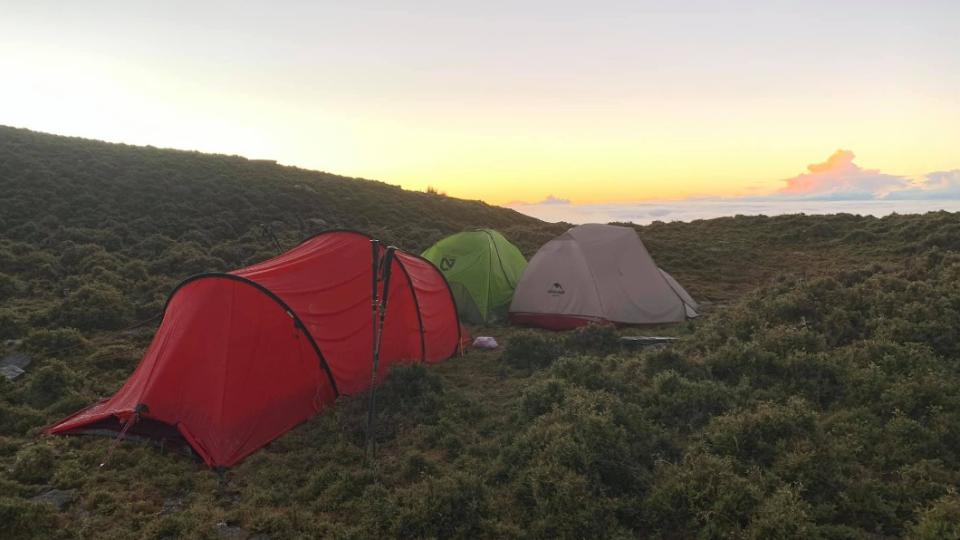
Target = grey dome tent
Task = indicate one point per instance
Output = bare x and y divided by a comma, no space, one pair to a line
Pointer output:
597,273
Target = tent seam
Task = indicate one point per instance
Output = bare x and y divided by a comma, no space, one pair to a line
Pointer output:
416,305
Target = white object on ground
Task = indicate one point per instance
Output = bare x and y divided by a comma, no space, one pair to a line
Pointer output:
485,342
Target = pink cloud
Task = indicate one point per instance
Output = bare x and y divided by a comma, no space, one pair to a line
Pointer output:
840,177
549,200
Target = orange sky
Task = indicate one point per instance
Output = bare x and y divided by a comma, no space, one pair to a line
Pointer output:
618,101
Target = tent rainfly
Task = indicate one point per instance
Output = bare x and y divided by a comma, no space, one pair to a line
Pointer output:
483,269
597,273
243,357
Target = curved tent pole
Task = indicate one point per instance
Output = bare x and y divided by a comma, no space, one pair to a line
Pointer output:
297,321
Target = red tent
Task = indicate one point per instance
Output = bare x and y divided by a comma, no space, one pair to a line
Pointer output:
241,358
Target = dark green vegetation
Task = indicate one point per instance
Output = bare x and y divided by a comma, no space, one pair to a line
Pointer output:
818,397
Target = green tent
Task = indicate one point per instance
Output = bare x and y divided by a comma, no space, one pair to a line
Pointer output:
482,268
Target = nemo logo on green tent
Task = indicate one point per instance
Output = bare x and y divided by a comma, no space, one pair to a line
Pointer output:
447,264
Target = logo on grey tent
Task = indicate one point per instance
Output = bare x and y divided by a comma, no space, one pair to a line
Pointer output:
556,290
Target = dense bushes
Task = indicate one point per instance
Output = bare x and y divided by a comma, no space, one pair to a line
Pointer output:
95,308
823,407
531,350
534,349
818,397
9,286
11,326
22,519
33,464
57,341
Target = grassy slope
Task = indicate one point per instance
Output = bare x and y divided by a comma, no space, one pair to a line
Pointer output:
94,235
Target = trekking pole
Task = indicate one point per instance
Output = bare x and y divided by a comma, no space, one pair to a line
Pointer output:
374,281
371,413
268,232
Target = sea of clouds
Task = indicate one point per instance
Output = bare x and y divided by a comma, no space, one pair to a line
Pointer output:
838,185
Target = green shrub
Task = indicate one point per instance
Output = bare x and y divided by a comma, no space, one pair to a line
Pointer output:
411,393
23,520
55,342
701,497
586,371
114,357
11,326
541,398
9,286
784,514
601,448
561,503
49,384
34,464
454,506
761,433
95,307
529,349
18,419
595,339
417,465
686,403
939,521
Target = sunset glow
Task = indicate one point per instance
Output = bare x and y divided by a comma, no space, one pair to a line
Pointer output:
625,102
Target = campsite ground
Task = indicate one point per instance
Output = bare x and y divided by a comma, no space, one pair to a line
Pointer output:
818,396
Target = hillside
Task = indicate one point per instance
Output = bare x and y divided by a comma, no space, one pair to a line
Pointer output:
819,396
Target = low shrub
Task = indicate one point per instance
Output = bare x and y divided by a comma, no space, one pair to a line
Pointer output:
454,506
530,350
939,521
114,357
9,286
23,520
759,434
541,398
34,464
595,339
410,389
48,384
11,325
56,341
702,496
784,514
95,307
18,419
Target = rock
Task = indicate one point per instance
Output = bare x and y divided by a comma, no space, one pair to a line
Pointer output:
16,359
11,372
172,505
59,498
12,365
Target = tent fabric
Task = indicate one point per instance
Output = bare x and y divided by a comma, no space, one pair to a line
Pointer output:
241,358
597,273
483,269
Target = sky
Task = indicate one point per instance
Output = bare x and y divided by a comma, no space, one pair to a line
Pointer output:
575,104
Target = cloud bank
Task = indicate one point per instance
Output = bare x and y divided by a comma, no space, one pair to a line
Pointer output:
835,185
839,178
